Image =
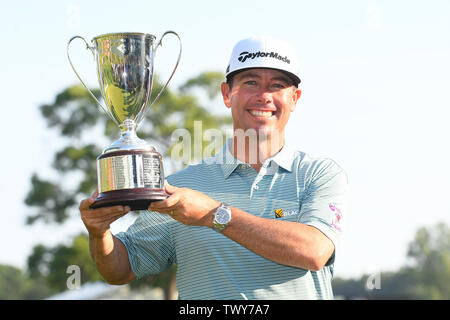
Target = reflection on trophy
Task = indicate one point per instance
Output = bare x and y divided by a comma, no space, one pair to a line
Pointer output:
130,171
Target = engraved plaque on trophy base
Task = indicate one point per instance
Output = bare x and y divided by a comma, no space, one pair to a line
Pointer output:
130,178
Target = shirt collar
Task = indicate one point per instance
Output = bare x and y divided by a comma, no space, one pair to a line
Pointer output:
284,158
227,160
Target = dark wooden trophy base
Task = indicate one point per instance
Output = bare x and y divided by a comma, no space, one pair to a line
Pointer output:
136,199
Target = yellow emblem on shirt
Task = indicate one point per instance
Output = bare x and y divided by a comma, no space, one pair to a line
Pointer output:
278,213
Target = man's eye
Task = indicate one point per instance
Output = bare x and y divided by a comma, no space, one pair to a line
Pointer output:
250,82
278,85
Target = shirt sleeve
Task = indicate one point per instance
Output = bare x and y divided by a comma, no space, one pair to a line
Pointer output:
149,244
324,204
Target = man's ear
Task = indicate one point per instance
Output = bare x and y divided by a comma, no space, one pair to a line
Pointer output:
226,94
295,97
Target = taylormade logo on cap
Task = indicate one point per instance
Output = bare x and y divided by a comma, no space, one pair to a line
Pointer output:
247,55
264,52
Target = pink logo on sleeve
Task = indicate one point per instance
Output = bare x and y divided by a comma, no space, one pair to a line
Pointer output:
336,221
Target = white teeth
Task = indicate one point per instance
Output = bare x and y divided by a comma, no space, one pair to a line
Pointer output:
259,113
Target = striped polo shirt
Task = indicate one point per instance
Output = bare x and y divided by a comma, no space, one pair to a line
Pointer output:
290,186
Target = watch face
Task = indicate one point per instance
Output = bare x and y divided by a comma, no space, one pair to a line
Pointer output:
222,216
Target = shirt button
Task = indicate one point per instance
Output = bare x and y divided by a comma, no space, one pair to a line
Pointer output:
243,166
256,187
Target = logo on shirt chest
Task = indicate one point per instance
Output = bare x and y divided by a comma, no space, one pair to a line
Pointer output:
279,213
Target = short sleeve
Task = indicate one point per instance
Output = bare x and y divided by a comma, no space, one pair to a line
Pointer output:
324,203
149,244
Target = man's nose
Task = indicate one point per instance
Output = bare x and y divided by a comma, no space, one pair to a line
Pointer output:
264,96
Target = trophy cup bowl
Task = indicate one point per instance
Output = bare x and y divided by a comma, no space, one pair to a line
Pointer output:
130,171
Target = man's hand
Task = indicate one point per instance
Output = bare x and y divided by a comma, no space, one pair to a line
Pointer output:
98,221
188,206
109,253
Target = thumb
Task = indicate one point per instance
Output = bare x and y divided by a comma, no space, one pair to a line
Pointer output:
93,196
169,188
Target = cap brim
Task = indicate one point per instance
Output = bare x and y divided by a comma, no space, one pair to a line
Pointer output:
296,80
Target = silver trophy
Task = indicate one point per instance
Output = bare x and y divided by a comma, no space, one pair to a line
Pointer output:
130,171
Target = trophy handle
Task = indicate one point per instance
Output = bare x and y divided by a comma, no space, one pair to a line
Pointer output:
78,76
174,69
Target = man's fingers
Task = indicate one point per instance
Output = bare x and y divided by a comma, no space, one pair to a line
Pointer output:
116,215
171,201
169,188
111,211
86,203
104,211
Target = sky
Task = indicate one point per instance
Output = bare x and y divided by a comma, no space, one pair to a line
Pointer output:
375,82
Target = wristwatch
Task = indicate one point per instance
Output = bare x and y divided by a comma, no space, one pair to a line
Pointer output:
222,217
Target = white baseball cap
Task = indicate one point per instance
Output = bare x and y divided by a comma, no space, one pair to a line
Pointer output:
264,52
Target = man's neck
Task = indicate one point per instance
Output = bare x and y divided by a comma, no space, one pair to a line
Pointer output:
255,150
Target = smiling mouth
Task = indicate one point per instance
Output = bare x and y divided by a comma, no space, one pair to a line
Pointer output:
260,113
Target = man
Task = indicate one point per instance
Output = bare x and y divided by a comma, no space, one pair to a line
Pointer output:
257,221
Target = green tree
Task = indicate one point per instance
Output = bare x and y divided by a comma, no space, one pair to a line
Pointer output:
16,285
51,264
400,284
430,252
427,277
85,131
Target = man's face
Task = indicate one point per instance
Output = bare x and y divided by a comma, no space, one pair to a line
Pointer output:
261,99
